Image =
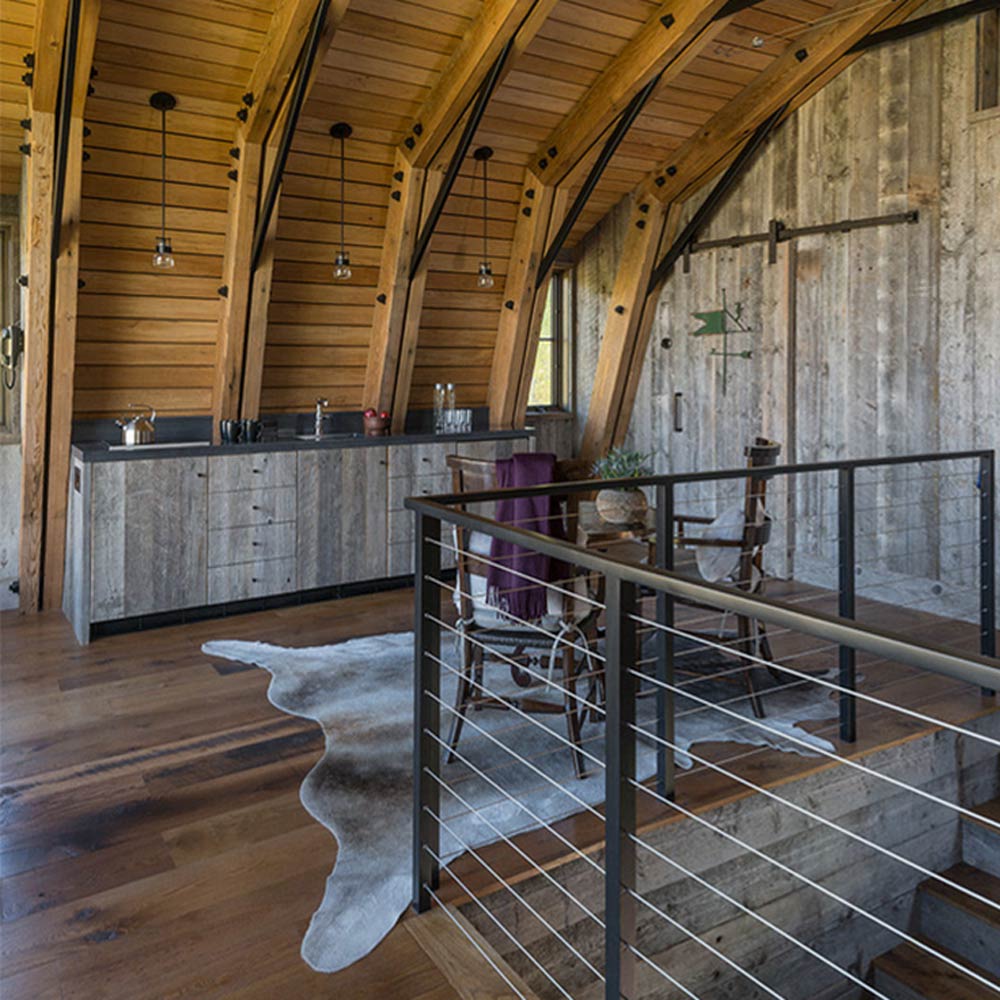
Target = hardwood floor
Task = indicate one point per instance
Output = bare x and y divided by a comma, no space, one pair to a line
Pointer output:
153,841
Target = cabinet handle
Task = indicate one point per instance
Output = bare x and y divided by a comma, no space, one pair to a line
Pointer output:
254,579
255,544
202,475
256,472
260,510
425,459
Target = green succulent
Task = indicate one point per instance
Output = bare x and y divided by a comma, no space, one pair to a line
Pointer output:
622,464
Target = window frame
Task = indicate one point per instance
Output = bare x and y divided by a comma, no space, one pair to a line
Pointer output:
10,312
559,297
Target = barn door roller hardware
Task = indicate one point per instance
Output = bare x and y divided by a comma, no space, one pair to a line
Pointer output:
625,121
479,106
291,121
709,205
778,232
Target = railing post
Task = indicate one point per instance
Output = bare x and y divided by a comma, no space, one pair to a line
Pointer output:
427,711
620,793
845,506
665,642
987,559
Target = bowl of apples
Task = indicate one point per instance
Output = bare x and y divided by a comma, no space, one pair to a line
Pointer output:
376,424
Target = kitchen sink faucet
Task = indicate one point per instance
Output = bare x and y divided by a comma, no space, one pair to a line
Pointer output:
320,403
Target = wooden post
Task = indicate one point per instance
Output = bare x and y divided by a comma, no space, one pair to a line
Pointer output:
50,27
518,313
66,293
626,331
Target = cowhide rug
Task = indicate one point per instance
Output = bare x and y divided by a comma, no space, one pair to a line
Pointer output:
361,694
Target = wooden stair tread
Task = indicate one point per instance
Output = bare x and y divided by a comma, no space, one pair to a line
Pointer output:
445,938
969,878
931,977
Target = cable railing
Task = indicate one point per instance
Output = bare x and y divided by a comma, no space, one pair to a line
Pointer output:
628,800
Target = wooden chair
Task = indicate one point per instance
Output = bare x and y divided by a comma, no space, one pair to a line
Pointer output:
483,628
749,575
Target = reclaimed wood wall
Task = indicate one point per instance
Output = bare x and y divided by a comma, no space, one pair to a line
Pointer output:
896,347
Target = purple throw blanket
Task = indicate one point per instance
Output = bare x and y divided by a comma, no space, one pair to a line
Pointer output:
506,589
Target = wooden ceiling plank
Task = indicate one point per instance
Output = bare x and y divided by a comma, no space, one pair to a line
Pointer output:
241,330
666,43
469,65
808,57
502,25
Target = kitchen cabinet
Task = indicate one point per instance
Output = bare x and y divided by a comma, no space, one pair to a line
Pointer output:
164,534
342,516
149,535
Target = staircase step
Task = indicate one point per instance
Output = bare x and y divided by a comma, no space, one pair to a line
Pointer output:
471,965
967,926
907,973
981,841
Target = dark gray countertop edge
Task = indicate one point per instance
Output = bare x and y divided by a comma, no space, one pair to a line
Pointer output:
98,451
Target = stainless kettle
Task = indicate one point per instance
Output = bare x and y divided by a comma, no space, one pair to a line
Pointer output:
140,428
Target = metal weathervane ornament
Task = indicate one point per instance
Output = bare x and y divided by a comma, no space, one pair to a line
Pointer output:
723,323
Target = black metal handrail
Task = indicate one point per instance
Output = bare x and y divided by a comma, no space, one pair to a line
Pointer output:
624,580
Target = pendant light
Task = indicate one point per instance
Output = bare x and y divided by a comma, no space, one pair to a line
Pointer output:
342,262
163,258
485,277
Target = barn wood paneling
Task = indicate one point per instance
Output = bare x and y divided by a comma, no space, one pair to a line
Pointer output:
896,349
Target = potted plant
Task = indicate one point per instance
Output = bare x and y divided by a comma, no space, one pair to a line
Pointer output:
622,504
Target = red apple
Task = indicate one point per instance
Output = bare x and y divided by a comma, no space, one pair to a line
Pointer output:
370,412
384,415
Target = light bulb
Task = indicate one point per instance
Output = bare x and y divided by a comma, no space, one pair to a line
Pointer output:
164,256
342,267
485,278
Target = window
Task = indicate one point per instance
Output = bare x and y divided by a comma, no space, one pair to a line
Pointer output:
9,313
550,380
988,60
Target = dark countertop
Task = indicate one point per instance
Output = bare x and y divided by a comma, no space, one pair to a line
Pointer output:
101,451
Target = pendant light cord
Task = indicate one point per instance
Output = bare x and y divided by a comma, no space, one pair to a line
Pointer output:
163,174
342,202
485,244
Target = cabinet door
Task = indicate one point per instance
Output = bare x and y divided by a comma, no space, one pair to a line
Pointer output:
166,534
343,504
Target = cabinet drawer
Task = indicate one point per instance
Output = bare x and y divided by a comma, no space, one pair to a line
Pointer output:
243,508
422,486
227,546
248,580
412,460
401,546
253,471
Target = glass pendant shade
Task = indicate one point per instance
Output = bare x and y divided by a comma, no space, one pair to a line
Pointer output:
342,266
164,256
485,278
